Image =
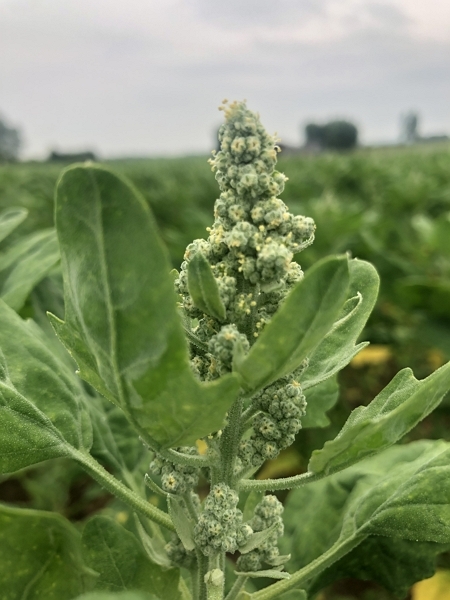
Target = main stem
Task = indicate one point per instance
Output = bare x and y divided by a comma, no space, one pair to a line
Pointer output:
230,442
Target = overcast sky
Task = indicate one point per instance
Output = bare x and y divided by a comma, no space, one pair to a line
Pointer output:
145,77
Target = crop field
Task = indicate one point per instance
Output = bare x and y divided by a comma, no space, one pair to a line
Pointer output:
390,206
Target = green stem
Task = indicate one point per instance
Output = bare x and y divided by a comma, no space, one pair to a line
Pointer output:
215,590
191,460
337,551
202,569
229,442
237,587
120,490
283,483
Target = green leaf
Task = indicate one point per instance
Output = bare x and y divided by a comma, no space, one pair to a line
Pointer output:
301,322
25,264
257,539
402,404
203,287
11,218
152,541
338,347
269,573
366,499
117,596
118,557
121,322
41,400
320,399
40,556
115,443
394,563
183,525
252,500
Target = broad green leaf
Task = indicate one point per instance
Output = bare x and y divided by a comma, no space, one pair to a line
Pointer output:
339,346
320,399
121,322
358,500
203,287
41,400
392,562
301,322
402,404
40,556
25,264
414,507
10,218
119,559
117,596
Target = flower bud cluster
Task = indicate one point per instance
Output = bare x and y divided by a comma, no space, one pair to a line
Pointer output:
220,527
175,478
222,345
280,407
178,555
251,244
267,514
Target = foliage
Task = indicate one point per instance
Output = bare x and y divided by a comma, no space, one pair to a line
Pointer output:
335,135
207,372
10,142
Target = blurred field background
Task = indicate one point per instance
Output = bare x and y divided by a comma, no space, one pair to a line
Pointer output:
390,206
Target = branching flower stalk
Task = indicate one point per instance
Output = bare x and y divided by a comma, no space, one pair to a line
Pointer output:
250,250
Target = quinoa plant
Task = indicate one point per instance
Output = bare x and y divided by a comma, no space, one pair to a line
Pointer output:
206,373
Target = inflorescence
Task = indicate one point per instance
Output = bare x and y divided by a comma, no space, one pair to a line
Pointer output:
250,250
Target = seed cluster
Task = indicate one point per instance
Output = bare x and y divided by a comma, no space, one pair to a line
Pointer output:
250,246
280,407
220,526
175,478
267,514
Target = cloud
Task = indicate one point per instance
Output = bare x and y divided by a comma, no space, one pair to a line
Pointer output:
250,13
145,77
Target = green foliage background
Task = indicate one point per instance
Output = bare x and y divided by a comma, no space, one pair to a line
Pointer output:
388,206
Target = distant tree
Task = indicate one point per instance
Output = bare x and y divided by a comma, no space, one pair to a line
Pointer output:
10,142
335,135
340,135
315,135
410,126
71,156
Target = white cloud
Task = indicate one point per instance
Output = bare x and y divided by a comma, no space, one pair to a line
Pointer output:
146,75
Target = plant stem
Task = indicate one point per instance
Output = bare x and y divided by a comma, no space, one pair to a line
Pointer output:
215,590
180,458
121,491
230,441
237,587
283,483
337,551
202,569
